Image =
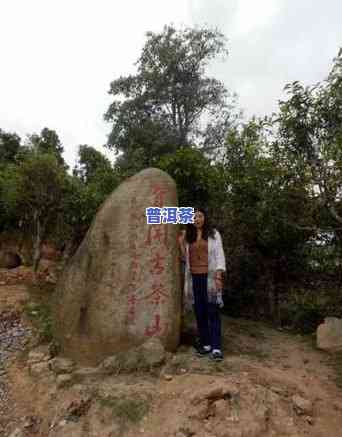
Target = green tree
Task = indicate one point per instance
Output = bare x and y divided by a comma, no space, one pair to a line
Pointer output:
168,103
9,147
90,163
33,192
263,249
48,142
196,179
92,181
309,129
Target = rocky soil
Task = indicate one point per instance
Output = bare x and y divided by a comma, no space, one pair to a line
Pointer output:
271,383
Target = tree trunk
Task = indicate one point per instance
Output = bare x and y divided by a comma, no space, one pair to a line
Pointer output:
276,314
273,300
338,235
37,241
67,252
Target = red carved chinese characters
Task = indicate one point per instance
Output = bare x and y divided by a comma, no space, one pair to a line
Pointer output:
158,195
135,268
157,240
157,233
158,261
132,300
157,294
155,328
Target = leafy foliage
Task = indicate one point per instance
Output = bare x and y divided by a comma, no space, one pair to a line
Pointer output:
160,108
9,147
194,175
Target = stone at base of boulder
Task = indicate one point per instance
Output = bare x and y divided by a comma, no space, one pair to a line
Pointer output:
150,354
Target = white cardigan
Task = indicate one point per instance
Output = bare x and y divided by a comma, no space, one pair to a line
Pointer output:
216,261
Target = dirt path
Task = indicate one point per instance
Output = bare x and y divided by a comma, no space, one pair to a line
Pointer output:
270,383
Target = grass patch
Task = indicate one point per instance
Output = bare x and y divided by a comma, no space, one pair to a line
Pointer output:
127,410
39,311
40,316
179,361
209,367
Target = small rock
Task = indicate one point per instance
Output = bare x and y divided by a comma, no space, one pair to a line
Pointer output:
78,408
282,391
286,366
153,352
51,278
37,357
185,431
63,380
83,373
110,364
17,433
39,369
32,423
168,377
61,365
310,420
301,405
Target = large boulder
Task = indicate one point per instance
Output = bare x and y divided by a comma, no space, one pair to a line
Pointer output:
122,287
329,334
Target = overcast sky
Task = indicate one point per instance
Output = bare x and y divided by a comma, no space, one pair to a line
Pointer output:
58,57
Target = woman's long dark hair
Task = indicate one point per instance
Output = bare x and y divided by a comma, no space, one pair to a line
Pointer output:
207,230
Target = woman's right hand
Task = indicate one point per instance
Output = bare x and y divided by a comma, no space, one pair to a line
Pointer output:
218,280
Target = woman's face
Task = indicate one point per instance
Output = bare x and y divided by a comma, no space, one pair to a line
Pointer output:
199,219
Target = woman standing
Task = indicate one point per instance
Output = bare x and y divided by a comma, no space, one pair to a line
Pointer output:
205,263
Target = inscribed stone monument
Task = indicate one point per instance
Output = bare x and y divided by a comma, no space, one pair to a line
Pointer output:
122,287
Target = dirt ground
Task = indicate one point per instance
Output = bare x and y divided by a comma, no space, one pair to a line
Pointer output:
271,383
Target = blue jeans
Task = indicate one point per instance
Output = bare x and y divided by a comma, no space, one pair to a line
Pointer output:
207,314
